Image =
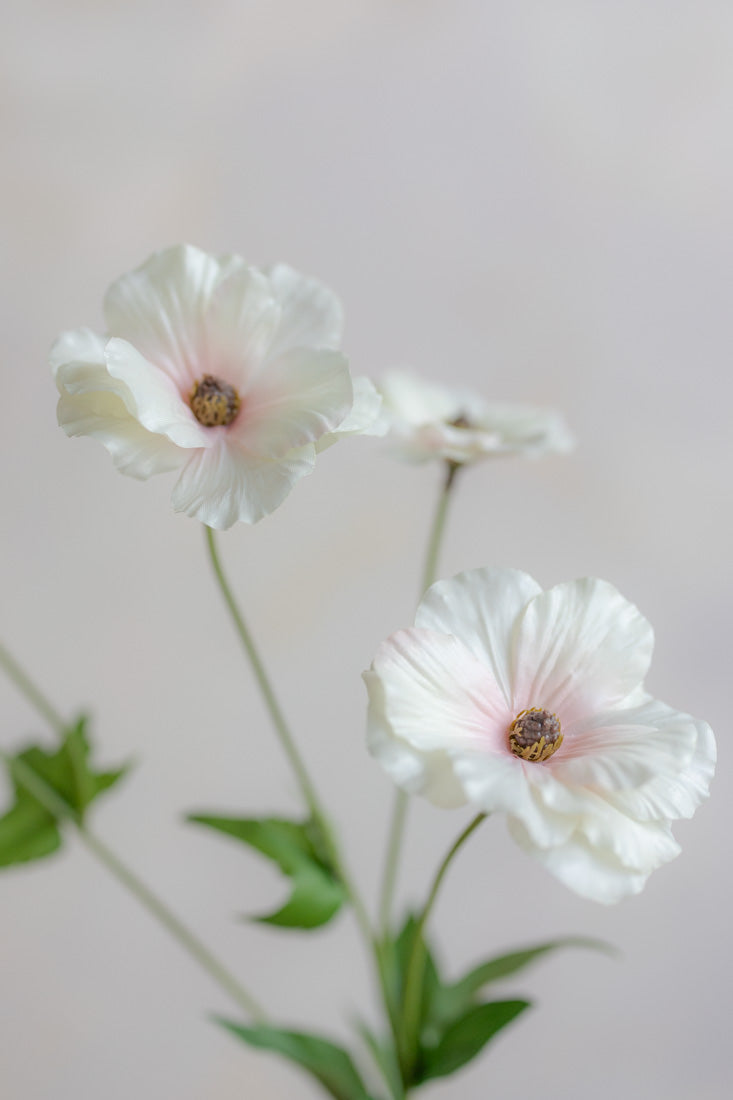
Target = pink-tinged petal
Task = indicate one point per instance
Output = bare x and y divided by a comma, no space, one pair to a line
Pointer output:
311,314
429,774
595,875
294,401
153,398
579,648
104,416
223,485
364,419
240,324
437,696
622,750
481,607
161,308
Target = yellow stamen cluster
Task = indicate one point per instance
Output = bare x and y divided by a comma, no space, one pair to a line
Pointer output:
535,734
214,403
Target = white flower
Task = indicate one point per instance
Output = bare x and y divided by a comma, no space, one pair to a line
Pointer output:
224,371
430,421
591,778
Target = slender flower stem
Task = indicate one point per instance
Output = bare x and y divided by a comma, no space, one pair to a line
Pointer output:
48,797
399,813
412,992
288,741
31,692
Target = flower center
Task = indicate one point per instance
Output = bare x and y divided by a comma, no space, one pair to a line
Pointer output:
535,734
460,421
214,403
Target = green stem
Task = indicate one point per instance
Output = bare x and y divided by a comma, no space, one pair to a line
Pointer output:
399,812
32,693
411,1002
52,801
288,741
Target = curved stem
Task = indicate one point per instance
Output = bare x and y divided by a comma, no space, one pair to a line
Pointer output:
413,984
399,813
32,693
52,801
287,740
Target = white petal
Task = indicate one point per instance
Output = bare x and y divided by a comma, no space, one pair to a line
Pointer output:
623,749
580,648
500,783
523,429
364,419
311,314
161,309
594,875
297,399
224,485
95,404
481,607
437,696
153,398
191,314
416,401
426,773
135,451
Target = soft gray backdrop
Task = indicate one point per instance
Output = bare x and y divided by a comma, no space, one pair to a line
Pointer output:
530,197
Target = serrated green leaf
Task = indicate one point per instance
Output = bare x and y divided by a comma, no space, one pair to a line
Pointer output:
467,1037
317,894
330,1064
452,1000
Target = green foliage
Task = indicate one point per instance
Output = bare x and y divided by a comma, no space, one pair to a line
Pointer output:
331,1065
454,1022
297,849
47,787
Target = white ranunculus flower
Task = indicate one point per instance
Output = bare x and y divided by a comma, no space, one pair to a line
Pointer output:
532,703
230,373
427,421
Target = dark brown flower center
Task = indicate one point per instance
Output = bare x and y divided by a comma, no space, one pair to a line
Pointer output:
460,421
535,734
214,403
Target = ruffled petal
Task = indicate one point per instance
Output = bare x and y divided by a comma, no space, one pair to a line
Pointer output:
429,774
94,403
365,417
297,399
191,314
153,398
161,308
311,314
437,696
223,485
595,875
481,607
579,648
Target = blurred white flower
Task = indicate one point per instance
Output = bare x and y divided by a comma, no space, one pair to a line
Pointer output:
427,421
532,703
226,371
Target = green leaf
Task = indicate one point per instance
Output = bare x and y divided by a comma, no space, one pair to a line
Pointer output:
328,1063
295,847
452,1000
466,1037
383,1053
49,786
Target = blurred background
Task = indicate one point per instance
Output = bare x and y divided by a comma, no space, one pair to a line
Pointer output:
529,198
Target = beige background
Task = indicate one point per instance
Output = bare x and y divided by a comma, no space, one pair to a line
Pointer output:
530,197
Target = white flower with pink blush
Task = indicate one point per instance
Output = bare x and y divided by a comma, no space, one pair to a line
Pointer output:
531,702
229,373
428,421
